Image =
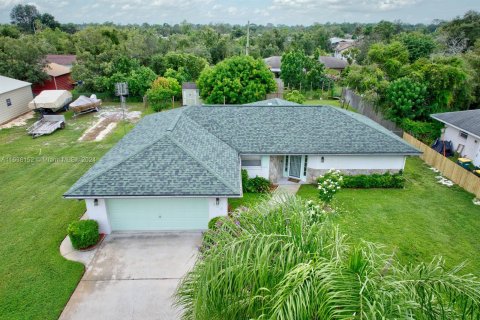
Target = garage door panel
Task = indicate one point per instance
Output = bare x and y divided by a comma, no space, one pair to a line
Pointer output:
158,214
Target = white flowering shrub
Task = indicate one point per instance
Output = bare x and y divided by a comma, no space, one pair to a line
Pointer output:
329,184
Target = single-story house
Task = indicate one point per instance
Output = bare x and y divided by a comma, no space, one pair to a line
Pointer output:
176,169
59,79
14,98
63,59
190,94
274,63
333,63
463,129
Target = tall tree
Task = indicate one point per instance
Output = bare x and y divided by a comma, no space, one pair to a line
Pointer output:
23,58
24,16
236,80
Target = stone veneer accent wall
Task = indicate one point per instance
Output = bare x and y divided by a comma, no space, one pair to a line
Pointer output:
276,167
313,174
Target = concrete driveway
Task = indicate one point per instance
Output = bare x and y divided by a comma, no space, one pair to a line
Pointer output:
133,276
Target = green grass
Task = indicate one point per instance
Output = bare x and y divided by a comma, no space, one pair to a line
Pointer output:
423,220
248,200
329,102
35,280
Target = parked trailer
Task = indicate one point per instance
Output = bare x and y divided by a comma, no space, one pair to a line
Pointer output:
46,125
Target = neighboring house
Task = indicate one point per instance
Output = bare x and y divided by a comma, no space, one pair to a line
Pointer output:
333,63
341,47
176,169
63,59
274,63
190,94
463,129
14,98
59,79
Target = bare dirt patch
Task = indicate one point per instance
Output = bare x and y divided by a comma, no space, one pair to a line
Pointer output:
18,121
108,118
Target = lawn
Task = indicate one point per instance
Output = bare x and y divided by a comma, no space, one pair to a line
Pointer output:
35,280
323,102
423,220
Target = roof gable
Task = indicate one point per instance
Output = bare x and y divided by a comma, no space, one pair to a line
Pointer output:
468,120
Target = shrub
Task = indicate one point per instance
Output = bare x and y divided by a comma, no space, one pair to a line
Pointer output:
363,181
329,184
214,223
160,94
254,185
83,233
258,185
427,132
244,180
295,96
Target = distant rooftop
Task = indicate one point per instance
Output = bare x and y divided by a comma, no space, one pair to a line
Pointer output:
189,85
332,62
55,69
468,120
63,59
273,102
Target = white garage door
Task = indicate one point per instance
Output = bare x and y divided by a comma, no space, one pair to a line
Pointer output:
158,214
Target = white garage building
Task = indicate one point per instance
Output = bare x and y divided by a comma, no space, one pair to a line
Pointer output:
177,169
14,98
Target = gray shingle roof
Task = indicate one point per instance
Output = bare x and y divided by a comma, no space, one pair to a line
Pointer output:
332,62
297,130
468,120
273,102
194,151
274,62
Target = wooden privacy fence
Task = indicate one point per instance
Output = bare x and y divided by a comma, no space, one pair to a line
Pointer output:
464,178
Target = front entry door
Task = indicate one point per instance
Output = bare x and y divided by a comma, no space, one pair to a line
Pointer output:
295,166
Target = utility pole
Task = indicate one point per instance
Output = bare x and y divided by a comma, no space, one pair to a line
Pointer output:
248,39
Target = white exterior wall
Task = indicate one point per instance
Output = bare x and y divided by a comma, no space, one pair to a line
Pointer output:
472,144
261,171
99,213
217,210
356,162
19,98
190,97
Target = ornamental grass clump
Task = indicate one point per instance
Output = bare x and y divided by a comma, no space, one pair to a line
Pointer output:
329,184
287,260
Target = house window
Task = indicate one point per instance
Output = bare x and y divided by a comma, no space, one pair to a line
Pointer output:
251,161
305,166
463,134
286,163
9,102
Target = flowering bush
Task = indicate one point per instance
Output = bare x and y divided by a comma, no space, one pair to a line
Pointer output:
329,184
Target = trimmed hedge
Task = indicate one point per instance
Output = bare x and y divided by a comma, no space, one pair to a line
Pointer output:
363,181
83,233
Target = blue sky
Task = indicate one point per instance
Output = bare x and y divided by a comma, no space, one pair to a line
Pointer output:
288,12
